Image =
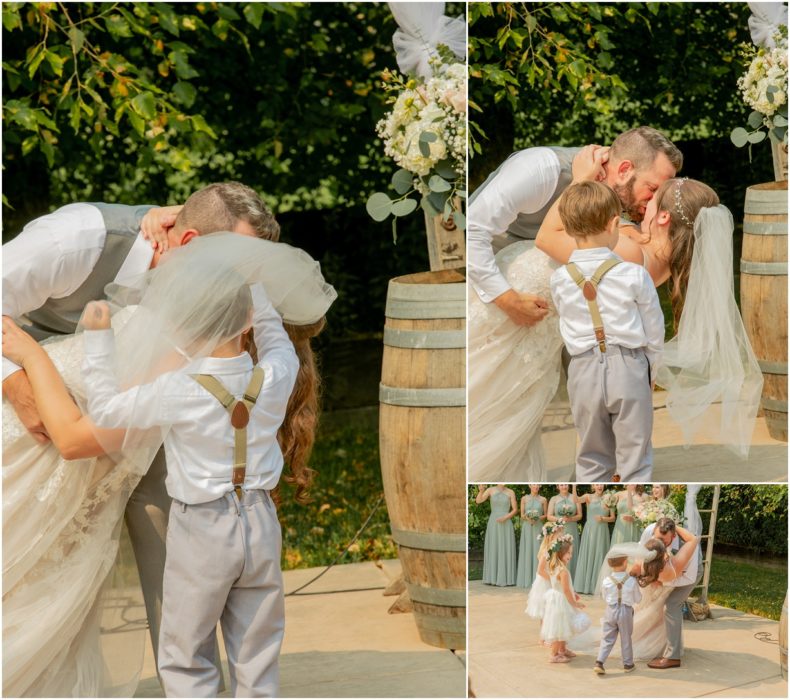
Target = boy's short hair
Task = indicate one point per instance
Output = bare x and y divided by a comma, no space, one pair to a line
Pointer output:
586,208
616,561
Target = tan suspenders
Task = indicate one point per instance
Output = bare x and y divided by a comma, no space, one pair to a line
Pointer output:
239,417
589,289
619,585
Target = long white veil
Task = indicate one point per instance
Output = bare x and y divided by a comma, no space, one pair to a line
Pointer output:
195,299
709,368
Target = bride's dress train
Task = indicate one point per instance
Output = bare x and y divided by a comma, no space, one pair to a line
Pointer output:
514,372
61,528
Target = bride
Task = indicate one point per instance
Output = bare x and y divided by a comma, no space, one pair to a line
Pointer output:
686,239
63,501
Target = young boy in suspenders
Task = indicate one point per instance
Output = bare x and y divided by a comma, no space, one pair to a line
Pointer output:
620,592
223,538
613,327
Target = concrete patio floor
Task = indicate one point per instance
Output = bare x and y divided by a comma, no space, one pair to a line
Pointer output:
341,642
703,462
724,657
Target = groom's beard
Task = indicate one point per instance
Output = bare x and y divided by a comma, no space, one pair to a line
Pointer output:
628,201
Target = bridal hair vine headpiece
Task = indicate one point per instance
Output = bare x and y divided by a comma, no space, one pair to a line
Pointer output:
679,205
557,544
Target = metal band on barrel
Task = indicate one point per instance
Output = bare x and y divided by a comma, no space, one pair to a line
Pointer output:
768,367
421,398
437,596
424,340
763,268
765,228
432,541
774,405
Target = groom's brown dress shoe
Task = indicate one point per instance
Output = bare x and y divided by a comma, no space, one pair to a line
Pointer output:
664,663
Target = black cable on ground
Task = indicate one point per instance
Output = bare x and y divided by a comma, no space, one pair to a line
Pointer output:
342,554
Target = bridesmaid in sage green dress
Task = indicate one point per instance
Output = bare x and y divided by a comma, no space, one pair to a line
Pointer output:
499,550
563,506
626,528
533,513
595,541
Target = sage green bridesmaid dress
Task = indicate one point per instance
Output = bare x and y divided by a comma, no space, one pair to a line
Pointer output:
593,549
529,543
624,531
499,550
564,508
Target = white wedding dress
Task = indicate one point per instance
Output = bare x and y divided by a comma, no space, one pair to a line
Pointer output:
513,374
65,627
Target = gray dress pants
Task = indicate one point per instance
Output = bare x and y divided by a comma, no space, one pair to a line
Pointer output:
618,619
223,564
612,408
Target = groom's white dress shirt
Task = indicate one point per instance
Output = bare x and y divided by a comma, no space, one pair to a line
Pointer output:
200,440
525,183
54,255
627,300
689,575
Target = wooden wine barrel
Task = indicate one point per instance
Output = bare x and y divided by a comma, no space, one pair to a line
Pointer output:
764,294
783,640
423,446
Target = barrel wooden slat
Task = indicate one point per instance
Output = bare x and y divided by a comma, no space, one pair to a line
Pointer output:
764,294
422,449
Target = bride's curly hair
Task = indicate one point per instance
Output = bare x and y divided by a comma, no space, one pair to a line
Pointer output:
651,569
682,198
297,433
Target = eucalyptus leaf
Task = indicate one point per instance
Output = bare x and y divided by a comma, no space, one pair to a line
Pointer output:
756,136
428,136
446,170
779,120
379,206
402,181
755,120
429,208
425,149
739,136
460,220
439,184
437,201
404,207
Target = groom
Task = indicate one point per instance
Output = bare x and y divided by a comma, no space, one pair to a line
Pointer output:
684,583
60,262
513,201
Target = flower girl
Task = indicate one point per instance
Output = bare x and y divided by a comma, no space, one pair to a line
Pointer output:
561,619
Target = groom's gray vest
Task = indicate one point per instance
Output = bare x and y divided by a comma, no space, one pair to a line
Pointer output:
60,316
527,225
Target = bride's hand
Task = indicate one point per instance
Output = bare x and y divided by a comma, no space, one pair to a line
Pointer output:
18,346
588,163
96,316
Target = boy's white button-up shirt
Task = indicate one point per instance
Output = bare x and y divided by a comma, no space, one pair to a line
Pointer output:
627,300
200,441
630,594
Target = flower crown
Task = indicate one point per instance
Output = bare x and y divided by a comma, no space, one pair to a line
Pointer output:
679,205
551,528
555,546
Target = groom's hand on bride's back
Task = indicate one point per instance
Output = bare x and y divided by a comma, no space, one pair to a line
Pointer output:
96,316
523,309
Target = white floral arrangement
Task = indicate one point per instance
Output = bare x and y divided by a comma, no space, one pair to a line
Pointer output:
650,511
425,134
610,499
764,89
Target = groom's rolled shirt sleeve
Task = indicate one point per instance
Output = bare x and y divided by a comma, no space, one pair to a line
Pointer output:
525,184
50,258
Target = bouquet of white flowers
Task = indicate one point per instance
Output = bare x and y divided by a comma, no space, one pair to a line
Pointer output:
764,89
649,511
610,499
425,134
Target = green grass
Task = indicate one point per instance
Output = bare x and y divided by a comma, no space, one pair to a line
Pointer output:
346,489
755,589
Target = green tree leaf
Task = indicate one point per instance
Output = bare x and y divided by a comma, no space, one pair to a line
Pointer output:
185,93
145,105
